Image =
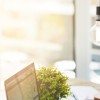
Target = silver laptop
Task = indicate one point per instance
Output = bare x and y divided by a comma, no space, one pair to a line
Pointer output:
22,85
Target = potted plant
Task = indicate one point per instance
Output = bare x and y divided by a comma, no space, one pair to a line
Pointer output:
52,84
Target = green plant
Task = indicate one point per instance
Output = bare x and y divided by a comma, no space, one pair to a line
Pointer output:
52,84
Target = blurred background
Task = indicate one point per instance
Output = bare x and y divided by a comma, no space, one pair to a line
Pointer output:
49,32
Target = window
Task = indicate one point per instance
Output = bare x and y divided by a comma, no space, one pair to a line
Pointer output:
42,29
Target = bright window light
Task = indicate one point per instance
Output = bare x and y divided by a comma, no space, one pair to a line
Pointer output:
13,56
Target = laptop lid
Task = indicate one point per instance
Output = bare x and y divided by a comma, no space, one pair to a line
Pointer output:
22,85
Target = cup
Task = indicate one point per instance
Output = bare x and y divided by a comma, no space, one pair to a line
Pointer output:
97,96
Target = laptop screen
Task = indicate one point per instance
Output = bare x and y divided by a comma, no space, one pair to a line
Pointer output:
23,85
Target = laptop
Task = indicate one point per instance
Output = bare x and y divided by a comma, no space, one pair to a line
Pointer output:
22,85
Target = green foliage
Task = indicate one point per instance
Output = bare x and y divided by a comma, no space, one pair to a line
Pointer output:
52,84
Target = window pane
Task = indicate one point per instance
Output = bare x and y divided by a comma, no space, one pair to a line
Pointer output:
36,30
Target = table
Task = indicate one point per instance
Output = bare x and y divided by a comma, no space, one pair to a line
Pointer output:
76,82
